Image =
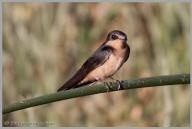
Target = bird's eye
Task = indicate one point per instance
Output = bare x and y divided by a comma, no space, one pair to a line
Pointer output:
114,37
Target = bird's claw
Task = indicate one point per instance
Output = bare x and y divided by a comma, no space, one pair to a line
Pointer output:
107,85
119,85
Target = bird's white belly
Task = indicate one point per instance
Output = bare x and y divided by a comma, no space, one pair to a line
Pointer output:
105,70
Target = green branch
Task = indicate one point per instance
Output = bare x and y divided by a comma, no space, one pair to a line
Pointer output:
84,91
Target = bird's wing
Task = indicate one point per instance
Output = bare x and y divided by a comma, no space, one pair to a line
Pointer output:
96,60
127,53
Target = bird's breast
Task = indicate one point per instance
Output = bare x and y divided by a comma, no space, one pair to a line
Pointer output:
106,70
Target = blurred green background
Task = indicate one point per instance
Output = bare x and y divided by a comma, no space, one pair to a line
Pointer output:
45,43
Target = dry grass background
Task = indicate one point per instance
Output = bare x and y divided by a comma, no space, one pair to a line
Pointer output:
45,43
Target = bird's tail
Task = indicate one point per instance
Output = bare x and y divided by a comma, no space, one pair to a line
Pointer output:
75,80
64,87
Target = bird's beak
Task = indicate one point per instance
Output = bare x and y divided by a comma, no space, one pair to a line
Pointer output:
124,40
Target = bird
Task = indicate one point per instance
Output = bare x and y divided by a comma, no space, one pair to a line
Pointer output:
103,63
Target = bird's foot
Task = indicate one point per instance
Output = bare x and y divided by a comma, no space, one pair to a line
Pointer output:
118,83
108,86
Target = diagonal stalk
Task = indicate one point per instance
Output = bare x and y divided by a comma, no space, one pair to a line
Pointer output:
85,91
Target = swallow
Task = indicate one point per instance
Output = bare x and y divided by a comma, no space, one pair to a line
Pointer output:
104,62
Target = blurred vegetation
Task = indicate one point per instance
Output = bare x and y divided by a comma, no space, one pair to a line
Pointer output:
45,43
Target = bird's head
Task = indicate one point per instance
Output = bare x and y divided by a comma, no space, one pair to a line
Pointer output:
117,35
